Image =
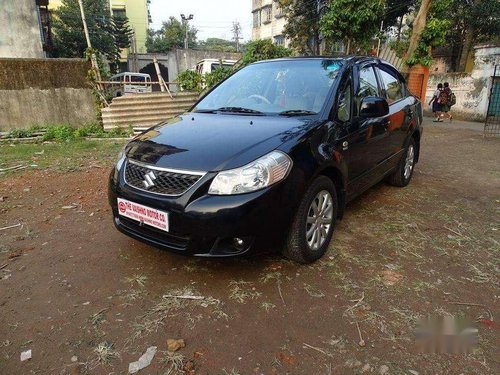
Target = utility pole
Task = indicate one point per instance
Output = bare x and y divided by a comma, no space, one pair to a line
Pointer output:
185,21
380,37
93,58
418,27
236,32
85,29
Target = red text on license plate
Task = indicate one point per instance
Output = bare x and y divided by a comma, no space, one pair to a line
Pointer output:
143,214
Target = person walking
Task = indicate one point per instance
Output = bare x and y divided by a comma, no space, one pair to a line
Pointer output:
436,106
446,101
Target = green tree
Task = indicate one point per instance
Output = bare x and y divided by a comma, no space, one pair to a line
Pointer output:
170,36
213,78
472,22
302,26
354,21
263,50
69,37
396,10
122,32
217,44
429,29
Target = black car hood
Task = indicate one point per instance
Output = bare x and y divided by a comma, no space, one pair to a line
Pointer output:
212,142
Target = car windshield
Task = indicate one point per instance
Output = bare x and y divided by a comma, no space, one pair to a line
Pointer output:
286,87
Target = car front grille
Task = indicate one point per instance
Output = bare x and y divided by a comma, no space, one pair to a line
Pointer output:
159,181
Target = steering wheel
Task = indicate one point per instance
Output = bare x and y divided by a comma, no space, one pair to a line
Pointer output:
262,98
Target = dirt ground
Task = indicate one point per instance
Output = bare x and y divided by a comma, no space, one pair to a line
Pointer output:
87,299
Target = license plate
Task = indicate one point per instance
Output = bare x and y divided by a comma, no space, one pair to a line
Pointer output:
143,214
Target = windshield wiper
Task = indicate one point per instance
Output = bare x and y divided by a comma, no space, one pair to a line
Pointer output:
239,110
231,109
296,112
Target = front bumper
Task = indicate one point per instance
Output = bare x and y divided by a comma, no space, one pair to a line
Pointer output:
207,225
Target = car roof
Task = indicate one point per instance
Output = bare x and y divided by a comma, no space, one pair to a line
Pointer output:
350,59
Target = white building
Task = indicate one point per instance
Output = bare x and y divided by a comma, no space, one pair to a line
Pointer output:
268,21
20,29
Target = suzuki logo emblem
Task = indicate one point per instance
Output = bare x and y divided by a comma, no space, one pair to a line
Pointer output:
149,179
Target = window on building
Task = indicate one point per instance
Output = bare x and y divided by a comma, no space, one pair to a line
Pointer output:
279,10
267,14
119,12
256,18
279,40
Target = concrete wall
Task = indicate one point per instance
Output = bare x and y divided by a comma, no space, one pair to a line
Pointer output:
24,108
19,29
44,91
472,90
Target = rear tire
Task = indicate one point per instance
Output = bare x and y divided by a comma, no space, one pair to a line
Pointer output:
314,222
404,171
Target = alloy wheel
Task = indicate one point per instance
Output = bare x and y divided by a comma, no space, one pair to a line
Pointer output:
319,220
410,158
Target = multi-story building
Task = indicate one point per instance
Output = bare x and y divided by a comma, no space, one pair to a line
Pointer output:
139,18
268,21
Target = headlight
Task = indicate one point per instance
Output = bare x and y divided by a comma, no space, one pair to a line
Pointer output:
259,174
121,157
119,163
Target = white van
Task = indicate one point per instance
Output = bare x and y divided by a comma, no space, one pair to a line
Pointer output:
209,65
131,83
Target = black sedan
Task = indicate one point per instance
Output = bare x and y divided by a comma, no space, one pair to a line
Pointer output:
268,158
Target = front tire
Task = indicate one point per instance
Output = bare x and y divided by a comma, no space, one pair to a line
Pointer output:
404,171
314,222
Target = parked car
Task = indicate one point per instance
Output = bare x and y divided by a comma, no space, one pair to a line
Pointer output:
209,65
270,156
130,83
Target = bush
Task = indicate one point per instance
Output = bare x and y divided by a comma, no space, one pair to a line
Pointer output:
59,133
67,132
218,75
24,133
190,81
88,130
263,50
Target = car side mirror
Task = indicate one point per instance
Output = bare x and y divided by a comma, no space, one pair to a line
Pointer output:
373,106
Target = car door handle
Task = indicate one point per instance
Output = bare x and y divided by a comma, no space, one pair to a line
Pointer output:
387,124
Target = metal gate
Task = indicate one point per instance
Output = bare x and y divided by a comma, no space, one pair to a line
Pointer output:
492,124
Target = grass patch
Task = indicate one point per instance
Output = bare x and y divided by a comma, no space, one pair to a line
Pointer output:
267,306
169,307
174,362
241,291
64,132
65,156
137,279
104,354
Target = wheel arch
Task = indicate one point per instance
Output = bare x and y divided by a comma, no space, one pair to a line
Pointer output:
334,174
416,137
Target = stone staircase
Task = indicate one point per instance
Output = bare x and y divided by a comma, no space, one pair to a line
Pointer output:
145,110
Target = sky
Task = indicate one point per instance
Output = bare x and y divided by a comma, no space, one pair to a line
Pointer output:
212,18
